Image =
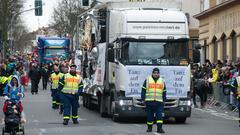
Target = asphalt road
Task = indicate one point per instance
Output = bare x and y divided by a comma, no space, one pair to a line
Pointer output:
42,120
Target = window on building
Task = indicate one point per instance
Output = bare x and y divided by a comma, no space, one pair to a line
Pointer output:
205,4
234,47
224,47
218,2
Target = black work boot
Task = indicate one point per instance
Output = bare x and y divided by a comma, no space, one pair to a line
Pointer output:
61,111
149,129
65,122
53,106
159,129
75,121
56,106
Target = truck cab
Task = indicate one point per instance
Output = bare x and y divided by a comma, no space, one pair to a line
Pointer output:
132,41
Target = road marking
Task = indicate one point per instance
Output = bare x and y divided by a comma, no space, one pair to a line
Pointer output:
137,125
42,131
156,133
81,119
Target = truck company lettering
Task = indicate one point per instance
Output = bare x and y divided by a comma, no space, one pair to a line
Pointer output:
156,27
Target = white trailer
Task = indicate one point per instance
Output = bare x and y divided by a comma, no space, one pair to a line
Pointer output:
128,41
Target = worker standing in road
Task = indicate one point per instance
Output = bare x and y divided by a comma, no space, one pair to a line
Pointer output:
71,87
55,77
154,96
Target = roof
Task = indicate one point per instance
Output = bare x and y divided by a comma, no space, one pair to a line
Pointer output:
223,6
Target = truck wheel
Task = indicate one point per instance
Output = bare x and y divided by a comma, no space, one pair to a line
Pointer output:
181,119
89,104
114,117
101,107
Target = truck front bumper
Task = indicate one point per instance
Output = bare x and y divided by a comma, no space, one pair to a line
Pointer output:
132,111
180,111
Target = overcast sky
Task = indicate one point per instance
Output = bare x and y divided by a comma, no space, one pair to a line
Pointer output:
33,22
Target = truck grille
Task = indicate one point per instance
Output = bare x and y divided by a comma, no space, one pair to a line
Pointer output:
171,103
138,103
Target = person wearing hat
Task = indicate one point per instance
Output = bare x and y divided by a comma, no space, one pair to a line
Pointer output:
71,87
154,95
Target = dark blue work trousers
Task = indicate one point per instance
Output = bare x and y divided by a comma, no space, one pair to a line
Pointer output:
70,103
154,109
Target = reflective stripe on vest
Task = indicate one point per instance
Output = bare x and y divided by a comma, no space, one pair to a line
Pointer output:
71,83
154,89
55,79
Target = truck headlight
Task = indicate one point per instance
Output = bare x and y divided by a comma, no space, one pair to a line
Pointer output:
184,102
125,102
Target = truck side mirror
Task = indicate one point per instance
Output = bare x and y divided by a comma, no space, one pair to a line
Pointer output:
196,56
111,55
110,45
198,46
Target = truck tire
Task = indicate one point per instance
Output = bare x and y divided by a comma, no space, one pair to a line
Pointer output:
181,120
114,117
89,102
101,106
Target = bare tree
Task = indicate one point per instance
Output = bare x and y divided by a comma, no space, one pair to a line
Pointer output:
65,16
7,10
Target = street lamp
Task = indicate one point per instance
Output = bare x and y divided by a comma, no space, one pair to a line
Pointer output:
11,25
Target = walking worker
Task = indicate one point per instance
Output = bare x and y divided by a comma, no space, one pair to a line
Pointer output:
71,87
55,77
154,96
236,90
64,70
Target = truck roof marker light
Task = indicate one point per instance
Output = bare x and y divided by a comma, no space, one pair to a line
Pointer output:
183,62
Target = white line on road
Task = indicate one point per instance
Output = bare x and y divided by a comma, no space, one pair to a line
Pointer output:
81,119
156,133
137,125
42,131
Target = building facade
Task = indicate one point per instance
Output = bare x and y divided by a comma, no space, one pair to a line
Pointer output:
219,30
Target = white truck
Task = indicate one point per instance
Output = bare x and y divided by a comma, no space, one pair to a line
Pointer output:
122,43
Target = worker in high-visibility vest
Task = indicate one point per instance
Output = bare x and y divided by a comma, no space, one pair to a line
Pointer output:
236,89
154,95
64,70
3,81
71,87
55,77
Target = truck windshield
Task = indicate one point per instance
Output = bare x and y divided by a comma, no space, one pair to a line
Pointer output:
55,52
158,53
